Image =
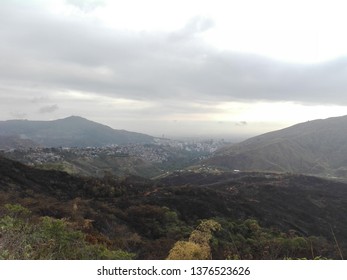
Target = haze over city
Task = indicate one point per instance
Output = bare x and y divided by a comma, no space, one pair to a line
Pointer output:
174,68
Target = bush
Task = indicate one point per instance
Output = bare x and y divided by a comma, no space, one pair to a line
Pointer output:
198,247
24,237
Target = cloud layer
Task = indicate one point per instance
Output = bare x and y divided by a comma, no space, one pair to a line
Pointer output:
57,59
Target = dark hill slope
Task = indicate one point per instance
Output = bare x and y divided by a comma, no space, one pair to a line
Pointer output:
70,132
313,147
15,142
304,203
147,217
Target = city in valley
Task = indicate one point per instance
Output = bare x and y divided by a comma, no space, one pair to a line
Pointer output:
161,156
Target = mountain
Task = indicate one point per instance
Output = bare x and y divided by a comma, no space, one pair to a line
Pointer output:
70,132
262,215
314,147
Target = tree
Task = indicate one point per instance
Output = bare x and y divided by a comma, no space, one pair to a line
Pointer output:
198,246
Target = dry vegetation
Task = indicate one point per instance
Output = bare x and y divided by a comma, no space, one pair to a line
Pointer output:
206,216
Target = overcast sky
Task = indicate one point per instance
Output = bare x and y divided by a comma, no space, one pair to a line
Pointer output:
174,67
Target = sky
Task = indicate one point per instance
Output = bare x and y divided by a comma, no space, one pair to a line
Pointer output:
216,68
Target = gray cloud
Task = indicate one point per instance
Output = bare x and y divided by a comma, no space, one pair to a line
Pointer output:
175,70
39,99
48,109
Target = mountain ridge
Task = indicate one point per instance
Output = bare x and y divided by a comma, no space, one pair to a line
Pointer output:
313,147
70,132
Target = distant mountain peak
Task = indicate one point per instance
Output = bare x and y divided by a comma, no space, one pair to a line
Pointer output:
72,131
73,118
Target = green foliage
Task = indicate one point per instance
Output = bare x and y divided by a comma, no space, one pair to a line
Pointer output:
154,221
248,240
16,210
60,166
23,237
203,233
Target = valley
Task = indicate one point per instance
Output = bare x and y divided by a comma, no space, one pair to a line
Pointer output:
146,160
269,197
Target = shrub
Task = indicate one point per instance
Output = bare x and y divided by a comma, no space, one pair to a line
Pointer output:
24,237
198,247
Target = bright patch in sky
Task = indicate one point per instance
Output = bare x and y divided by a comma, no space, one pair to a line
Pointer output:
292,31
280,112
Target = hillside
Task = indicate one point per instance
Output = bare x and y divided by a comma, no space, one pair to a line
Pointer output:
15,142
70,132
145,160
314,147
262,215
